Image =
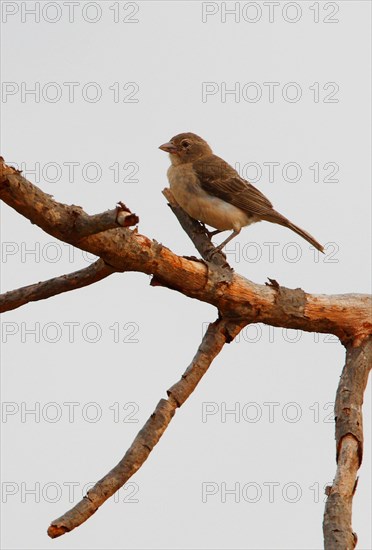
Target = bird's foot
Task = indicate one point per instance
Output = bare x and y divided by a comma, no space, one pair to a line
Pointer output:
210,234
218,248
215,250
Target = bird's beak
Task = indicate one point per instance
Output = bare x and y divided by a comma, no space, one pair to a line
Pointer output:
169,147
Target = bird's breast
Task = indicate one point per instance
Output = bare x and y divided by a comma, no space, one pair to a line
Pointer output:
199,204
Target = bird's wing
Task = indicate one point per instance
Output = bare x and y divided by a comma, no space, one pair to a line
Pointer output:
219,179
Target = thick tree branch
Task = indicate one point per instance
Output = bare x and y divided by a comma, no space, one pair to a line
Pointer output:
40,291
40,208
239,302
347,316
220,332
337,527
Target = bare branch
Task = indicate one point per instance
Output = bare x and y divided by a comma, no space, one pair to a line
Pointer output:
40,291
349,444
197,233
347,316
71,223
239,302
89,225
220,332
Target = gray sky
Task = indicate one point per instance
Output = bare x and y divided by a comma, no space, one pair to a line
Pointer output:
282,92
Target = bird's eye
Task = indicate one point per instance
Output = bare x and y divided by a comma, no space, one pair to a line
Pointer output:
185,144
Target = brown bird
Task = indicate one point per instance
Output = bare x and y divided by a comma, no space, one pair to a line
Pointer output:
211,191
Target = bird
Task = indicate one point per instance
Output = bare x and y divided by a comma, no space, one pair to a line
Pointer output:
212,192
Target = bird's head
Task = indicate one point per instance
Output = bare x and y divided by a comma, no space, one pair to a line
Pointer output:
185,148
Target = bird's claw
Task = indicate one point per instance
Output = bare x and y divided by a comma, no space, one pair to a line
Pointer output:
216,250
210,234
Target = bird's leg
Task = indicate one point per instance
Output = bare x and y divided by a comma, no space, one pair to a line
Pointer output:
210,234
229,238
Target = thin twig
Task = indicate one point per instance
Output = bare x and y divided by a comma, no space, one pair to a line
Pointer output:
64,283
220,332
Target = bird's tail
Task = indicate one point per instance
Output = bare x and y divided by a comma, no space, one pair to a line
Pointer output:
275,217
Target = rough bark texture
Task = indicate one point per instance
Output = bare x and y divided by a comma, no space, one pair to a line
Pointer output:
347,316
239,302
217,335
67,223
40,291
337,527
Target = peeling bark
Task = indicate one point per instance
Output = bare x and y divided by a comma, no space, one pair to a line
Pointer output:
337,529
239,302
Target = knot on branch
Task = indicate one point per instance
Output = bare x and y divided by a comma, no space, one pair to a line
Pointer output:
292,302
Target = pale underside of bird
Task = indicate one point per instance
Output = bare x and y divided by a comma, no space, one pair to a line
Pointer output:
213,192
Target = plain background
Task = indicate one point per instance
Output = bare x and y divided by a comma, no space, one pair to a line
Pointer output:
107,353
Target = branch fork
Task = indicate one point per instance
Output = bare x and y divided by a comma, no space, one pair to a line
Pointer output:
238,301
